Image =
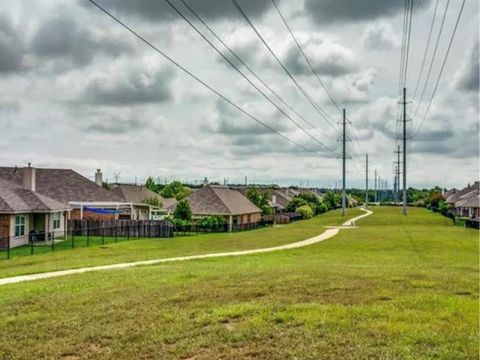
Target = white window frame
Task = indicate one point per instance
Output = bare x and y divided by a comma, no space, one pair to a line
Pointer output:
57,217
19,225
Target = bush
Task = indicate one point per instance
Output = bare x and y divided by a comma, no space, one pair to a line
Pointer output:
306,211
183,211
212,222
295,203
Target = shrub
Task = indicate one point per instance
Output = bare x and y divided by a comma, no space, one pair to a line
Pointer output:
212,222
183,211
306,211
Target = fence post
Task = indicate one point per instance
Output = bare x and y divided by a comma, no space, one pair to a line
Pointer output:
53,241
103,235
8,247
73,238
31,244
88,236
128,231
116,232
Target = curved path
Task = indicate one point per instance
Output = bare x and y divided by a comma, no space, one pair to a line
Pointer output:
327,234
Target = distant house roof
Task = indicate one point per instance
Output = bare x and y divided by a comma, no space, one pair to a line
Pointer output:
63,185
470,200
281,198
220,200
16,199
452,199
138,194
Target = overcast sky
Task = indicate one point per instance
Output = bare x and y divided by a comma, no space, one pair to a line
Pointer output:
79,91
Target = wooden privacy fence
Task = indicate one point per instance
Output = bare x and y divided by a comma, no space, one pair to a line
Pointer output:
121,228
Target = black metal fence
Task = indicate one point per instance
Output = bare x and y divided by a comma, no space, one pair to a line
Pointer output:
85,233
474,224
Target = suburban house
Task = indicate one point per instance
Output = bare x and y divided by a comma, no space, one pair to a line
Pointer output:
223,201
85,198
465,202
139,194
26,214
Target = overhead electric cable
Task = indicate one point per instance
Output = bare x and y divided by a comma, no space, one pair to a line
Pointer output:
302,90
234,54
427,46
223,97
442,68
432,60
244,76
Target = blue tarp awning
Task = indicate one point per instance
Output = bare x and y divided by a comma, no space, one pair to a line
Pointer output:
102,211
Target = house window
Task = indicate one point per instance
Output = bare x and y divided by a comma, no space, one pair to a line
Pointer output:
56,221
19,225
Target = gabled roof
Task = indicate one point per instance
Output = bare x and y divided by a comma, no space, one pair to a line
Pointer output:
63,185
220,200
138,194
16,199
452,199
470,200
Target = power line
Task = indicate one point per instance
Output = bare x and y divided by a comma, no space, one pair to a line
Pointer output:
427,46
223,97
309,62
432,60
304,54
409,31
235,55
302,90
442,68
402,52
244,76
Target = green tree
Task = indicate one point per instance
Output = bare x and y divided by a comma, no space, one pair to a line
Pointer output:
295,203
153,201
150,184
332,200
306,211
175,190
260,199
183,211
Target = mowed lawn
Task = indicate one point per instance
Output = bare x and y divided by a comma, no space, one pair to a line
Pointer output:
146,249
394,288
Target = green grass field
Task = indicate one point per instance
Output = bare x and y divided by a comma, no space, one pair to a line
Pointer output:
394,288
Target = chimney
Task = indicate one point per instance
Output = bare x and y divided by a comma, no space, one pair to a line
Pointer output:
274,199
98,178
29,177
205,181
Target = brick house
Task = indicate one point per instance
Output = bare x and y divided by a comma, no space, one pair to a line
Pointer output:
223,201
25,213
465,202
87,199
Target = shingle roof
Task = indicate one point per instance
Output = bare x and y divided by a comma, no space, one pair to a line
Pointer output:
470,200
452,199
138,194
14,199
220,200
63,185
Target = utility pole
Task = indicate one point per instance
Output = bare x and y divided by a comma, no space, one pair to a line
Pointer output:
375,185
344,193
379,189
397,175
404,207
366,181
